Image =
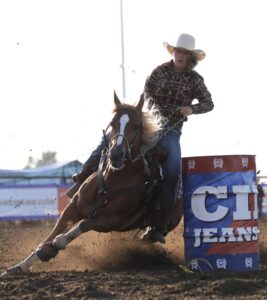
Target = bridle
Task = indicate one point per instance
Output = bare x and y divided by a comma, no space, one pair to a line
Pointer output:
124,138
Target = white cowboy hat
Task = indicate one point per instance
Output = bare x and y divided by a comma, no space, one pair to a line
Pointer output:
186,41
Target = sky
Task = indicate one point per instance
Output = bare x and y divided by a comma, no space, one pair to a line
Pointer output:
60,61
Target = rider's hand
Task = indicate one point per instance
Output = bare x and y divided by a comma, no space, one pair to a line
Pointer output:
186,111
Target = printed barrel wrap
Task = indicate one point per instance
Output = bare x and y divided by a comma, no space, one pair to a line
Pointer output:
221,213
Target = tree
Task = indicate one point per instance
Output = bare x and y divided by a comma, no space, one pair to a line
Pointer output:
48,157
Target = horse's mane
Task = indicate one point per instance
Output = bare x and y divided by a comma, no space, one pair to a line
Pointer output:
152,121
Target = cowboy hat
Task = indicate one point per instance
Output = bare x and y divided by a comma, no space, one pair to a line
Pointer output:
186,41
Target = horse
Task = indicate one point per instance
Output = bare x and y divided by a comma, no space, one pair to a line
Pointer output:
121,195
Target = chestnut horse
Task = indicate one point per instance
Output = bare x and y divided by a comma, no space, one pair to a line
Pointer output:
120,196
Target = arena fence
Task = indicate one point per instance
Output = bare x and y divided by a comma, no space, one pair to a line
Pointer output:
36,202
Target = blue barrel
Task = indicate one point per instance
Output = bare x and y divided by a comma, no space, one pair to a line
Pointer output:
221,213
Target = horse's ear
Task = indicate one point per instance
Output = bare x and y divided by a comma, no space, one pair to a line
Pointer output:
141,102
116,99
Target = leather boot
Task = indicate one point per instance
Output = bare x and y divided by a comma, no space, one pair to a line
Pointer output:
154,235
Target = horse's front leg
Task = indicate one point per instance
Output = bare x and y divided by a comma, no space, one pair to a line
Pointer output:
98,223
50,247
67,219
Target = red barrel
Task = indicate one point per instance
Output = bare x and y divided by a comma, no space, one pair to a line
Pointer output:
221,213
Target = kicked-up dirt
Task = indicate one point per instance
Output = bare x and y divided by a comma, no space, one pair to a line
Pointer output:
114,266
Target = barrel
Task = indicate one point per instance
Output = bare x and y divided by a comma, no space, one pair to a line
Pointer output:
220,213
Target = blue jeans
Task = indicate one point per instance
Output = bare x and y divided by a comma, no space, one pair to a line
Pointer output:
171,167
96,154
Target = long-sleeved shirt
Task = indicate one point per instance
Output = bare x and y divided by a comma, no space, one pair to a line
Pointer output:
169,90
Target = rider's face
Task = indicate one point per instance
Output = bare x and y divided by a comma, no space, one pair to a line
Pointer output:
181,57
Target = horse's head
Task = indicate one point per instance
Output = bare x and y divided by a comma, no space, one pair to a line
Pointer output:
126,132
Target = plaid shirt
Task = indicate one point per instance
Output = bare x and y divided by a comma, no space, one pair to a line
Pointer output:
168,90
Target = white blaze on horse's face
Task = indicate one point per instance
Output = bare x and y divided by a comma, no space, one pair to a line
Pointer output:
124,119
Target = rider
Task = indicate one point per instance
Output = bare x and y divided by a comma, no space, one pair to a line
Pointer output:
172,87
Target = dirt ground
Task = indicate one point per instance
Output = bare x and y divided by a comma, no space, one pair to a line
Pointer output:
113,266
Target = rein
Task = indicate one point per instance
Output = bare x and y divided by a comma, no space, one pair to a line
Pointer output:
167,127
104,195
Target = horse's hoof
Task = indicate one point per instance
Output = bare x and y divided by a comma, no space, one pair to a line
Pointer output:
13,271
47,251
153,237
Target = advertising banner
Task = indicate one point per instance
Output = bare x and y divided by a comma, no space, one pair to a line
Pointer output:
221,213
30,203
